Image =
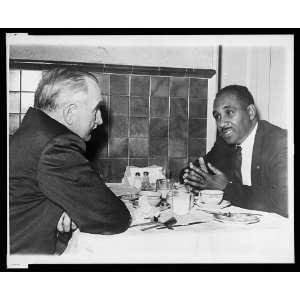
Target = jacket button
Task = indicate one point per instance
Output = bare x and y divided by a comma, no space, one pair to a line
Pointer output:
257,167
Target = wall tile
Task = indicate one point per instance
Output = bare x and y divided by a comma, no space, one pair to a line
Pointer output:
139,106
103,166
14,80
103,82
13,123
119,84
178,108
198,88
102,151
126,130
14,102
139,127
175,166
119,126
197,128
197,147
30,80
178,128
119,105
117,167
138,147
27,100
118,147
198,108
179,87
177,148
114,179
159,161
159,107
158,127
138,162
158,146
160,86
140,85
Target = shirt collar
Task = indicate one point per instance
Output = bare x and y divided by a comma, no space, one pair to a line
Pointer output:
249,141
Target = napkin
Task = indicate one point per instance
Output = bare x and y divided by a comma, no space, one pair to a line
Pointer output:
155,173
144,210
121,189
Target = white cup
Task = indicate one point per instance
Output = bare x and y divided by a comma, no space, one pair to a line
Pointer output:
181,202
211,197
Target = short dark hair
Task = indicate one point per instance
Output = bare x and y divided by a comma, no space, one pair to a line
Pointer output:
241,92
56,81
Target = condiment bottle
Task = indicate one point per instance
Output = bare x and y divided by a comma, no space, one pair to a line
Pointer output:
137,182
146,181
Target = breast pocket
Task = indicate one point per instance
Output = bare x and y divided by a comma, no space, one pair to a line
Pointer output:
256,174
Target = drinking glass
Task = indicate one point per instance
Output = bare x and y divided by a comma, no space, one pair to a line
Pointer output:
163,186
182,202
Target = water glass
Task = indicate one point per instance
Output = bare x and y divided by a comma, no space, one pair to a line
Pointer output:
163,186
182,202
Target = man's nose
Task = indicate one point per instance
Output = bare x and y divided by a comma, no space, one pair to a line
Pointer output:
222,122
99,120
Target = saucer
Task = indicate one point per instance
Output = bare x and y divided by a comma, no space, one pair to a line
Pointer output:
236,218
223,204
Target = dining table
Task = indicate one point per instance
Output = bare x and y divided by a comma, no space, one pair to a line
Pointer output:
207,240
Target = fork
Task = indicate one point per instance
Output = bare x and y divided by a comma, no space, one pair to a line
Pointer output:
168,224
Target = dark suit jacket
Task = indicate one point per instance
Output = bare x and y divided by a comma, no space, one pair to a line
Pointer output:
268,191
49,174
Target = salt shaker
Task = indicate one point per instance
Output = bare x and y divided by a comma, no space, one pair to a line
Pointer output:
146,181
137,181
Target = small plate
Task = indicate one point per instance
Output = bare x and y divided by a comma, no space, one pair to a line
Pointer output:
236,218
223,204
129,197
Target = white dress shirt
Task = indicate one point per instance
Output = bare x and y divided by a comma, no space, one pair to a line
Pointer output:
247,149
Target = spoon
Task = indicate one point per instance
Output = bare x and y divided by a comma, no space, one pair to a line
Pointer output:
167,224
182,225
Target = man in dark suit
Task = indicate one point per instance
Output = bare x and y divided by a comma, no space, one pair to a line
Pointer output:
49,176
249,158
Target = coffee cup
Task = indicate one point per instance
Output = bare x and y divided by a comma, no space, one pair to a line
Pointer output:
153,198
211,197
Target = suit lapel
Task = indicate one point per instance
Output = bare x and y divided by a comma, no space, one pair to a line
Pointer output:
255,164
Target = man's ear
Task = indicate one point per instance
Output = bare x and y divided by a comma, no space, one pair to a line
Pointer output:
251,109
68,113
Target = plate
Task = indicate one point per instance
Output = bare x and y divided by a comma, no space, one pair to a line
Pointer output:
223,204
129,197
237,218
121,189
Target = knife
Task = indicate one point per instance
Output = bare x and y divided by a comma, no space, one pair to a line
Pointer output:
228,213
168,224
180,225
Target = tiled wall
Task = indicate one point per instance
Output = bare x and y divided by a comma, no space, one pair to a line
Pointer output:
148,119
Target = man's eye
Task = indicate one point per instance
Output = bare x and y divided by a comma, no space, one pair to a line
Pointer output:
217,117
229,112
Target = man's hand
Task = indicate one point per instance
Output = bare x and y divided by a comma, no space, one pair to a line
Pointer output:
199,179
65,224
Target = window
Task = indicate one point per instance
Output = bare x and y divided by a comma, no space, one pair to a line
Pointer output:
22,85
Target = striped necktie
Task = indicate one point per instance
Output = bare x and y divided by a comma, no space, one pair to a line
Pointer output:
237,164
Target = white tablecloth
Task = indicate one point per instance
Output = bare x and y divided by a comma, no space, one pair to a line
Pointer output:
269,241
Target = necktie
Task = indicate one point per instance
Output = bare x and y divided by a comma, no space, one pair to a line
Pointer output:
237,164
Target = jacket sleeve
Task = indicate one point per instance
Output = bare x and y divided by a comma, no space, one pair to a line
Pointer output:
269,192
66,177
